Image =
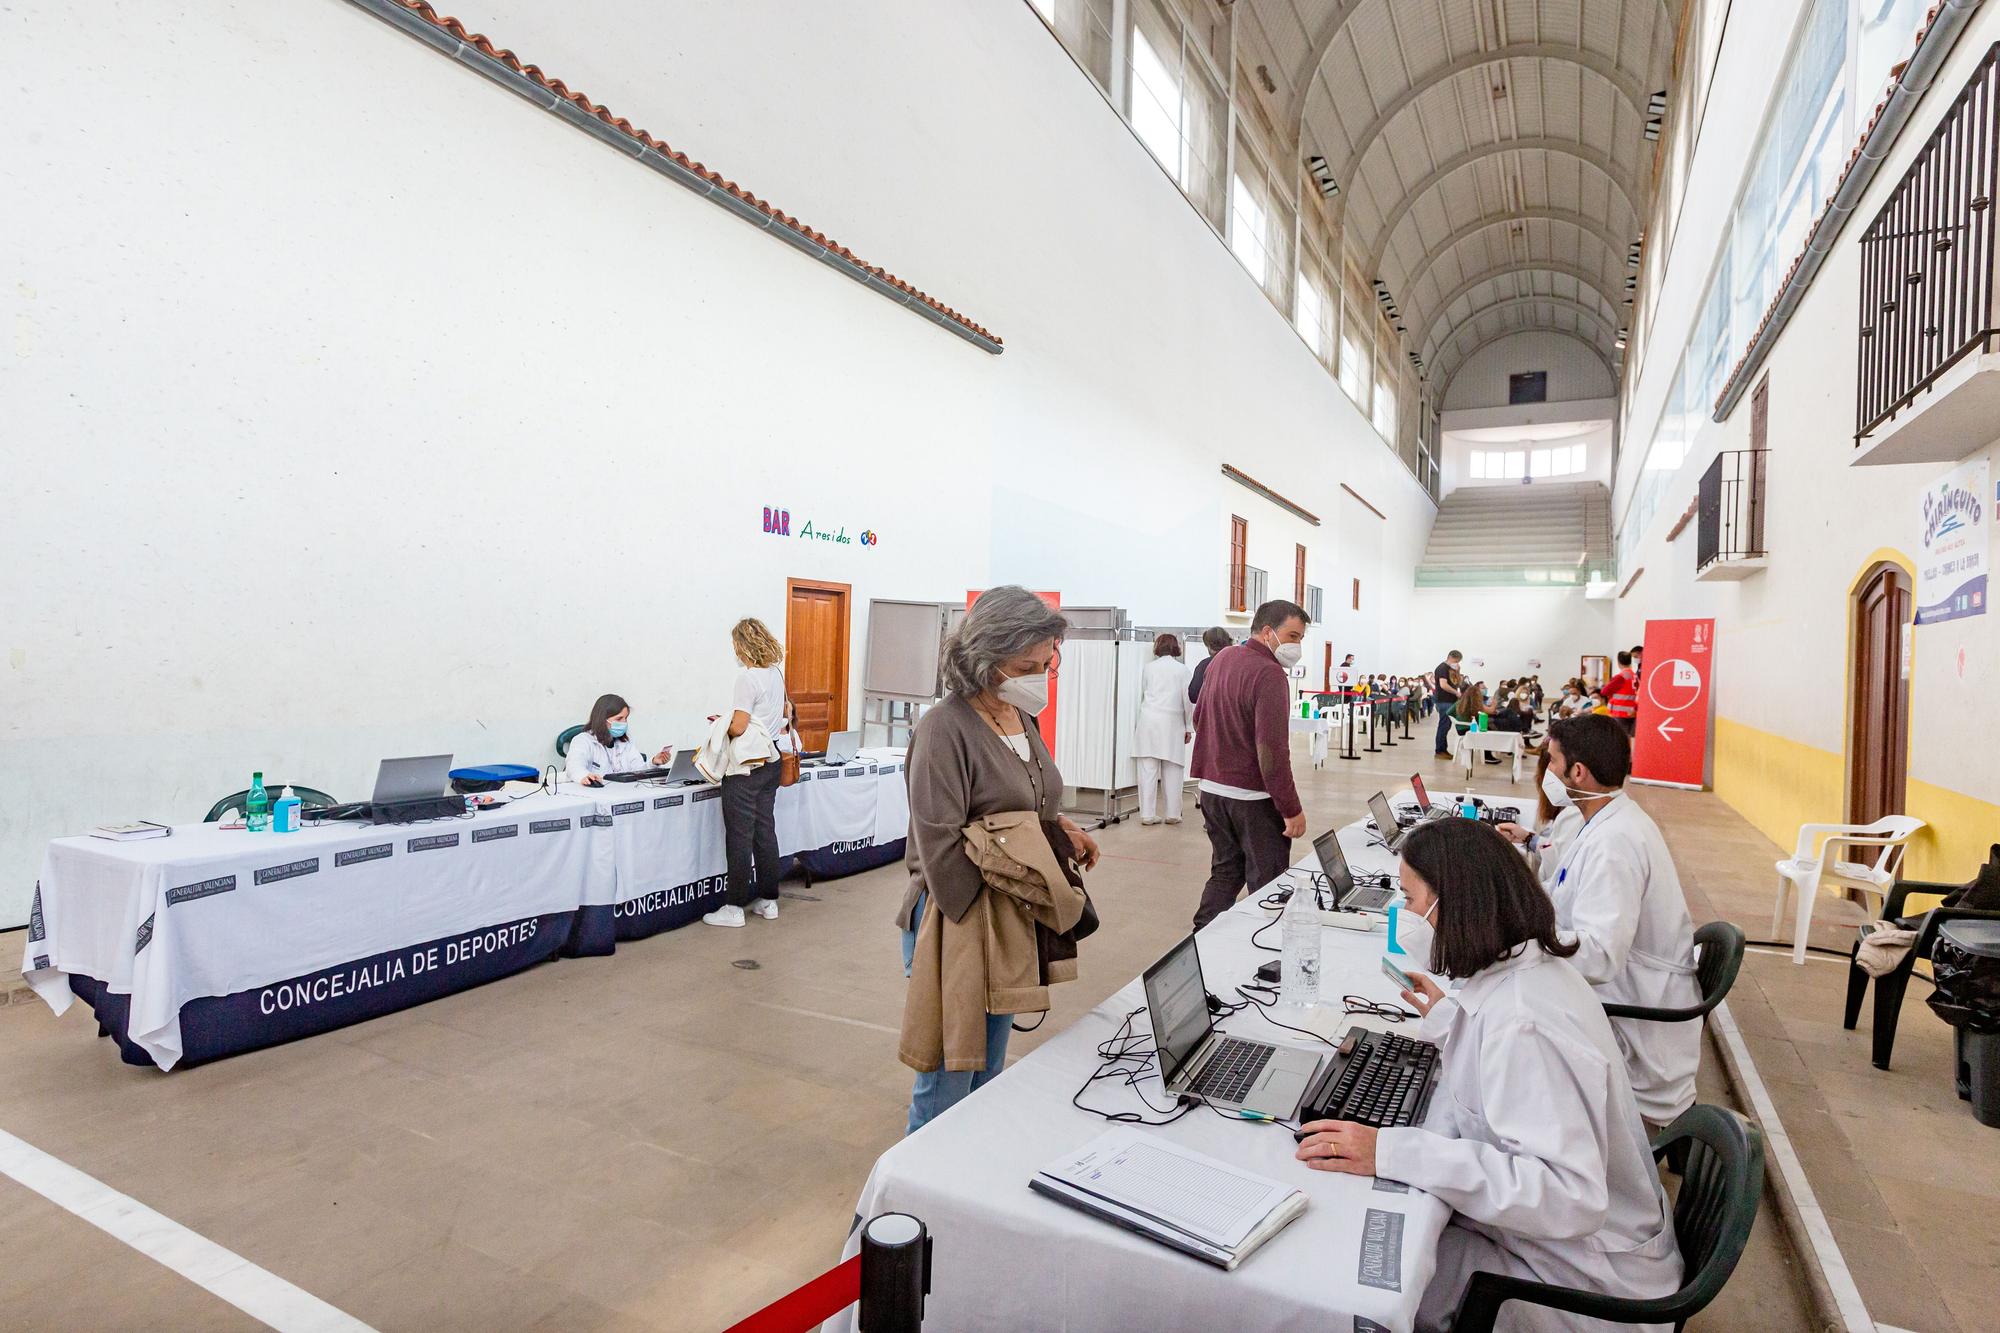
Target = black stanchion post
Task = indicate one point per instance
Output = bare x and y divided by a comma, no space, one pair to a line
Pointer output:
895,1274
1373,748
1389,724
1347,707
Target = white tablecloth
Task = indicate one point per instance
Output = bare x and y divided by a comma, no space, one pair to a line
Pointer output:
213,911
1008,1259
1491,742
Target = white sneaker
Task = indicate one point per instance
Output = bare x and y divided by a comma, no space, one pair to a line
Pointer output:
1145,822
1173,819
766,908
724,916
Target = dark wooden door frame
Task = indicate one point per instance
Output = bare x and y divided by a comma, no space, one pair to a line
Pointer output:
1885,742
837,714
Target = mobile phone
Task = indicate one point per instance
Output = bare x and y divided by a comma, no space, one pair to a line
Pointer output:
1398,975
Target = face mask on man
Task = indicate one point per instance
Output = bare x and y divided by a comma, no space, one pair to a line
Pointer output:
1414,935
1030,694
1560,794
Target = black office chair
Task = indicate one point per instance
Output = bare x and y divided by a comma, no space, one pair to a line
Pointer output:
310,798
1889,989
1719,1196
565,736
1721,958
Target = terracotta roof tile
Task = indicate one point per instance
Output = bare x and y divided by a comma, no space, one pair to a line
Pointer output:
423,10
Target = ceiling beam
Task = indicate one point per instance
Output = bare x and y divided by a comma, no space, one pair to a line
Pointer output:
1609,330
1445,380
1627,86
1613,242
1322,46
1619,175
1592,281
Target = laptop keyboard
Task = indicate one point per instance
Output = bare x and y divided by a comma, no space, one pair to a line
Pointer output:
1232,1071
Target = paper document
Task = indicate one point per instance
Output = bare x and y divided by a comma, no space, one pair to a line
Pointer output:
1207,1199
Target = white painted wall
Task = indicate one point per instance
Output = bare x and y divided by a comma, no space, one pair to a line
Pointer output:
356,408
1575,371
1782,636
1508,628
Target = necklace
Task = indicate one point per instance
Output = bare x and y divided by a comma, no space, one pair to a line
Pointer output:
1038,780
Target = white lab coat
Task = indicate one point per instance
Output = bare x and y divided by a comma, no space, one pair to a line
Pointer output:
1547,847
588,755
1165,713
1533,1139
1618,896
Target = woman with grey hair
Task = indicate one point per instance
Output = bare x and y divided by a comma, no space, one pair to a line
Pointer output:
977,754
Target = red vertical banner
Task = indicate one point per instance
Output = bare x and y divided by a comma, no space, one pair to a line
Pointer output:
1670,746
1046,723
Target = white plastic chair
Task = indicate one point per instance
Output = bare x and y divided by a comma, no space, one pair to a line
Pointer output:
1815,862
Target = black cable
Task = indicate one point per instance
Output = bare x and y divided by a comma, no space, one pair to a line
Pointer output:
1264,1007
1127,1057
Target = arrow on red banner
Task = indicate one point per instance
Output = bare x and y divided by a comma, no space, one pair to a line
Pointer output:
1668,731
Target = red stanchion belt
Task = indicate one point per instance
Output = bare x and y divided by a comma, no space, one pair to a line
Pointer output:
814,1303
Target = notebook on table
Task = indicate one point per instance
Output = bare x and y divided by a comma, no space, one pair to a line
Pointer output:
1199,1205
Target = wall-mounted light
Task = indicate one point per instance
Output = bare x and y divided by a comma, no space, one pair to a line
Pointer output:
1322,176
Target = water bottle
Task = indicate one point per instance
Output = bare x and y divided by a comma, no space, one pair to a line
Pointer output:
257,806
1298,985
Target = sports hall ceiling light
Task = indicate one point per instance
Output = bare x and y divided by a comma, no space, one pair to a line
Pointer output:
1322,175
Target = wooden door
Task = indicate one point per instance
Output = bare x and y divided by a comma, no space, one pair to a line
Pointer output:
816,618
1879,713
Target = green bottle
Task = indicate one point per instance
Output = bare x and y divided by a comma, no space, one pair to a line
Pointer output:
257,806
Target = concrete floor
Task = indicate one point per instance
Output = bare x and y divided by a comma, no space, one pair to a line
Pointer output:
666,1140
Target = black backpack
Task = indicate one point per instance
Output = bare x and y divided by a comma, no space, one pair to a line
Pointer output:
1982,892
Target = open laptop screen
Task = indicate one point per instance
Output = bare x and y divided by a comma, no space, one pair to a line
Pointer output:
1334,862
1422,794
1385,818
1177,1003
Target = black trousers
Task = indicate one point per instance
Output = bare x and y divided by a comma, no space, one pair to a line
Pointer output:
1247,846
750,833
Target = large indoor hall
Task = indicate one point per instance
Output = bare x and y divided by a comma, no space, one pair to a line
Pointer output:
999,665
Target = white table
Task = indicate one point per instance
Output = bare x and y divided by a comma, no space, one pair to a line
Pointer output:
1008,1259
1491,742
215,941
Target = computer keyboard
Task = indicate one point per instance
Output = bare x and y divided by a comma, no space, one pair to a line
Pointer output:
1385,1081
1232,1070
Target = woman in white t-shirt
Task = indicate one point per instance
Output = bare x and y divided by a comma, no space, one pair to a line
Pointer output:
750,800
603,747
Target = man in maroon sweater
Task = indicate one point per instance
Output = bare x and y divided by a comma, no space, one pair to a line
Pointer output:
1243,758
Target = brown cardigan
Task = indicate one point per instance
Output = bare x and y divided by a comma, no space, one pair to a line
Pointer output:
960,771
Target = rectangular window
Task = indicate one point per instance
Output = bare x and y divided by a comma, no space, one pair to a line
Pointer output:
1578,456
1352,358
1478,465
1385,411
1239,560
1517,463
1310,316
1538,464
1155,96
1299,575
1246,229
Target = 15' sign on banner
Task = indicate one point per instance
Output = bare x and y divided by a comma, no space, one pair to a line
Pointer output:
1671,744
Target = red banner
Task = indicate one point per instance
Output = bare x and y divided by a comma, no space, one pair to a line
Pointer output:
1671,744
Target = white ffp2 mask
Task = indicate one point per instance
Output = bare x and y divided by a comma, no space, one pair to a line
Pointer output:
1289,654
1030,694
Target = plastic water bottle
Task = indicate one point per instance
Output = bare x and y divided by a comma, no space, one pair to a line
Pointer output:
1298,984
257,806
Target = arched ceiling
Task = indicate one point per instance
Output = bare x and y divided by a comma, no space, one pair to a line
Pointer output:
1491,154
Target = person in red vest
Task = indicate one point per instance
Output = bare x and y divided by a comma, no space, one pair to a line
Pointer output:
1621,696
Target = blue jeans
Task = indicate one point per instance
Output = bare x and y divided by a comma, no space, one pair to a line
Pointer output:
1444,725
940,1090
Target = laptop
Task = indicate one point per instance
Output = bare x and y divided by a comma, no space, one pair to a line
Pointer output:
413,779
1229,1073
842,747
1425,810
1385,821
1347,895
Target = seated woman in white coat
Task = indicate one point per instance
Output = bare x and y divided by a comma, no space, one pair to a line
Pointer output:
603,747
1618,896
1160,740
1532,1136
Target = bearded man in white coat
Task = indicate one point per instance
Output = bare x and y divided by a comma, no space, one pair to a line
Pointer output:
1618,896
